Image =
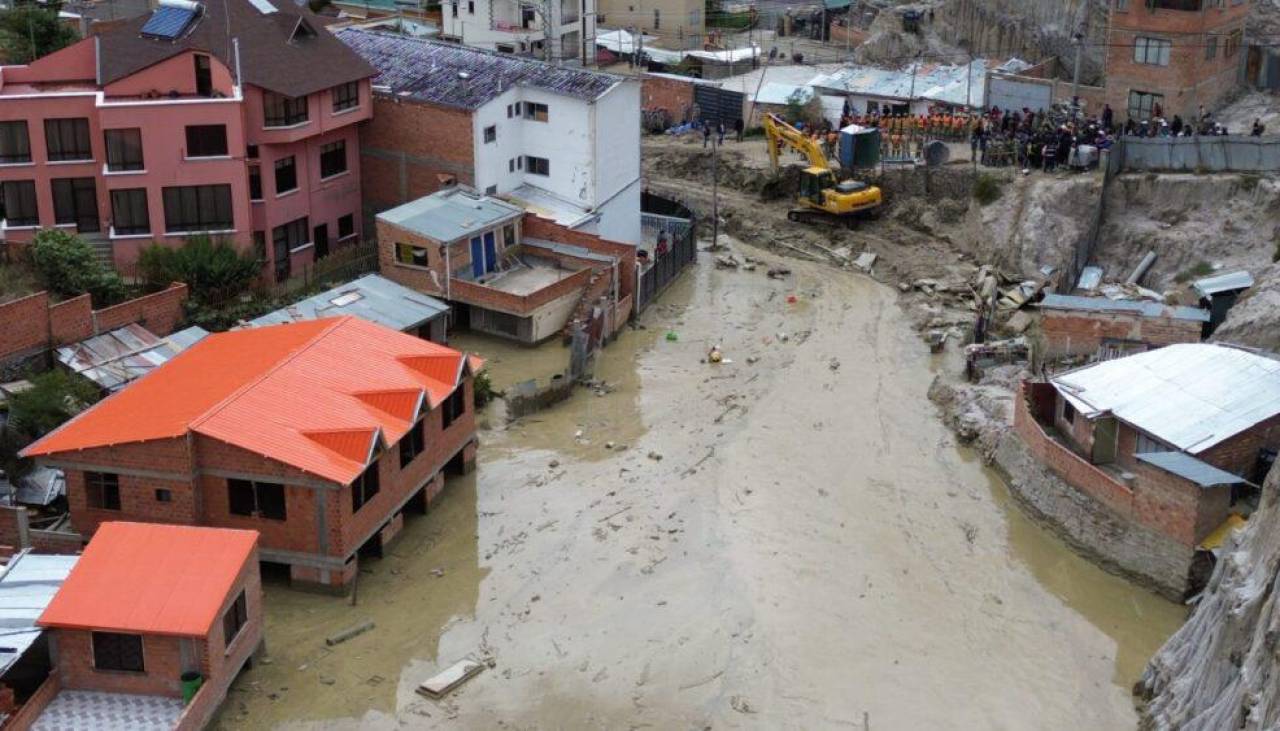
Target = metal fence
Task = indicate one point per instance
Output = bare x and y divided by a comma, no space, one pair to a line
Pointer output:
664,218
1213,154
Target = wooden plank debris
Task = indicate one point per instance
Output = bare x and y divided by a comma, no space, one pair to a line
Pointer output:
445,681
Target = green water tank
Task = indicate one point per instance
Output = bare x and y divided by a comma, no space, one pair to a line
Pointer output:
191,682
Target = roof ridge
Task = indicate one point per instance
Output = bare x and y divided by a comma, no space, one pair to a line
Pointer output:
253,382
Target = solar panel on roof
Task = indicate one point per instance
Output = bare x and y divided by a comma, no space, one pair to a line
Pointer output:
168,22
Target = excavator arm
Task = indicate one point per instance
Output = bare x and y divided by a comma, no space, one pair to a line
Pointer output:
777,130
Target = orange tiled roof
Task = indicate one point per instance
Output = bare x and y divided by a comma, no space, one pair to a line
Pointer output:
311,394
149,578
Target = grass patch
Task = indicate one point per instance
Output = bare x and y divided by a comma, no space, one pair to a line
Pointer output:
987,189
1199,270
16,281
1249,183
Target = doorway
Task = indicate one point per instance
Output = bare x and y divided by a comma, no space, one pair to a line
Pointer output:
321,240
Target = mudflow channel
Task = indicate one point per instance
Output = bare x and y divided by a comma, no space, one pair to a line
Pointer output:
811,551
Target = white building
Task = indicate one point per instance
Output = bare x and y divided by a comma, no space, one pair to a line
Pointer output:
562,142
553,30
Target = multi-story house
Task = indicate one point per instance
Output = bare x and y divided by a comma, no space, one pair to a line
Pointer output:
237,119
318,434
679,23
552,30
1173,56
561,142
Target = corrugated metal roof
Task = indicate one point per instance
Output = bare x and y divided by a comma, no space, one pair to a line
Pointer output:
372,297
268,389
548,205
115,358
461,76
1143,308
151,578
1223,283
580,252
775,93
1189,468
451,214
41,486
1190,395
27,585
950,84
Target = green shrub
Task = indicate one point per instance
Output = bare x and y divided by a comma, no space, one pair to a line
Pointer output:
484,390
213,269
1248,183
987,189
1200,269
54,397
68,267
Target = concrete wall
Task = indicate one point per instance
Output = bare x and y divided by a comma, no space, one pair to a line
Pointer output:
1232,153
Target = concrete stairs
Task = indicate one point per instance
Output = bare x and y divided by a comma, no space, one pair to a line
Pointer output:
102,249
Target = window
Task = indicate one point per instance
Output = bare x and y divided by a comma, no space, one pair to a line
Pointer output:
1068,412
657,19
164,496
1147,445
509,235
15,144
256,499
491,190
346,96
510,111
118,652
279,110
491,134
207,140
255,183
413,443
454,407
537,165
1232,46
333,159
511,165
471,7
198,208
124,149
102,490
1142,104
260,246
413,255
1151,51
251,152
286,175
364,487
75,201
536,112
1210,47
129,214
234,619
291,235
1122,5
18,203
519,163
67,139
346,226
204,75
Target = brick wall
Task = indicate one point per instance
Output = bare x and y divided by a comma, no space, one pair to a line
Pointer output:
26,716
543,228
673,96
162,659
1067,333
407,146
32,324
1158,500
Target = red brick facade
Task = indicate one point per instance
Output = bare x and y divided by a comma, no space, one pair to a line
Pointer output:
1199,67
1068,333
320,533
408,146
33,324
1172,506
673,96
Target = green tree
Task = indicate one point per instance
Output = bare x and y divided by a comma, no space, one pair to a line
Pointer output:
27,24
68,267
54,397
213,269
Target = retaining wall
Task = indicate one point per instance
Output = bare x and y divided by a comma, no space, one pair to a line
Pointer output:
1225,154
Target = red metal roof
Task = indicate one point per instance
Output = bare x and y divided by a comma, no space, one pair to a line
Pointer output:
150,578
311,394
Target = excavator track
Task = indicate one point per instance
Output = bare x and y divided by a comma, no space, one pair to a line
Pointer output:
814,217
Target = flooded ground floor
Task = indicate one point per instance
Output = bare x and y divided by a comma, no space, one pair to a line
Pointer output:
787,540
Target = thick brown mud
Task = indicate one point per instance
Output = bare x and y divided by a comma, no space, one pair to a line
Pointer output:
812,550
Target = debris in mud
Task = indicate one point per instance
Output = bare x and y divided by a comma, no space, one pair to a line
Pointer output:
865,261
656,457
727,261
778,272
348,633
834,365
438,573
553,464
741,705
444,682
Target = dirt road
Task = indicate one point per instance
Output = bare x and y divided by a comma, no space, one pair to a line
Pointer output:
811,551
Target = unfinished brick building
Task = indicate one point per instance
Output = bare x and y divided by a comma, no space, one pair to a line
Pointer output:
1177,55
1104,328
1174,440
318,434
146,610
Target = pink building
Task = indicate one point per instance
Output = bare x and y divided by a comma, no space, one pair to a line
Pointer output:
237,118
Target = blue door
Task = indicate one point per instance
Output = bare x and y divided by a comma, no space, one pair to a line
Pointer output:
490,253
477,258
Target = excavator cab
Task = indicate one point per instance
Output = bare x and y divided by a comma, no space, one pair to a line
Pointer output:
815,180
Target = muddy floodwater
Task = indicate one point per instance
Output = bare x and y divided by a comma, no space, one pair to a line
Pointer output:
790,542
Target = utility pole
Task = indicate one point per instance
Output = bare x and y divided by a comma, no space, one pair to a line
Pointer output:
715,189
968,85
915,66
1078,41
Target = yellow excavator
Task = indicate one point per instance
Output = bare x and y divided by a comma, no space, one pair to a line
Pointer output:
822,198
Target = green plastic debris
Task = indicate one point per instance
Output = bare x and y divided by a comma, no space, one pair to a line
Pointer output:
671,336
